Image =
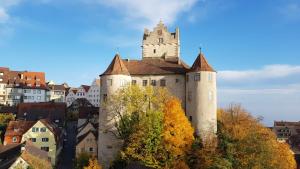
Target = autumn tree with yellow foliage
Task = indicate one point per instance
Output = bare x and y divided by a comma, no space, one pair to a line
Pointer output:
177,130
93,164
154,126
243,142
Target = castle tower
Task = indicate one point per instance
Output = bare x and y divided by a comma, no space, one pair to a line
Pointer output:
160,43
201,97
115,76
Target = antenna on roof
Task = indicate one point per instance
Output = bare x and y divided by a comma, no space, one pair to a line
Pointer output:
200,50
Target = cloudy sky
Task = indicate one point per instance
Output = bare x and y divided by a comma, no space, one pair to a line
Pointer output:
254,45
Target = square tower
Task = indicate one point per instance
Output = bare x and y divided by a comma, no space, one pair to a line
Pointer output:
160,43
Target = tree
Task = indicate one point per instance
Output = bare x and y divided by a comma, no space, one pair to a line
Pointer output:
145,144
4,120
82,160
93,164
131,103
162,134
243,142
178,132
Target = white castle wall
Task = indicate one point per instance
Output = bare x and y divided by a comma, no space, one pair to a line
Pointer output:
109,145
201,102
175,88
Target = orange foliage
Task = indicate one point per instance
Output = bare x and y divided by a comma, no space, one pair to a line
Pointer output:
178,132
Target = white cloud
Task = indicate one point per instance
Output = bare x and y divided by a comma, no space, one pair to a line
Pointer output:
3,15
149,12
267,72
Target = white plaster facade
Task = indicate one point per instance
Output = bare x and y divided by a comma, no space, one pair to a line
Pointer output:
93,95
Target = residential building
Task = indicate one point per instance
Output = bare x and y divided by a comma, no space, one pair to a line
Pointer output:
71,96
57,93
9,154
161,66
93,94
77,93
24,161
55,112
289,132
47,136
15,131
22,86
87,139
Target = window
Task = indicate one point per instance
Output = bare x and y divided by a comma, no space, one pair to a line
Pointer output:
145,82
39,91
191,118
39,98
162,82
161,40
35,129
14,139
91,149
32,139
123,82
209,77
133,82
197,77
187,78
153,82
176,80
45,148
27,90
189,96
43,129
45,139
109,82
154,50
104,97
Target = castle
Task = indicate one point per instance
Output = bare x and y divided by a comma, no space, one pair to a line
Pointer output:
161,65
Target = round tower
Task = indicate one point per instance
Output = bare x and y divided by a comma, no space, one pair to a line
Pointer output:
201,97
115,77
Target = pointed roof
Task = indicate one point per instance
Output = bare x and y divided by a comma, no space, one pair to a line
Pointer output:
201,64
116,67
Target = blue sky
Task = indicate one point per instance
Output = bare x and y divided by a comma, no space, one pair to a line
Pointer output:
254,45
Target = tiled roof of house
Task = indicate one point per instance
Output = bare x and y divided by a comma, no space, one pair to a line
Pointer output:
9,148
18,128
155,67
33,150
87,112
23,79
82,137
8,109
56,87
46,110
86,87
81,102
146,67
201,64
116,67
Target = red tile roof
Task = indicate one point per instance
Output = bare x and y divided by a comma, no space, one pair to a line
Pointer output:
201,64
116,67
17,128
